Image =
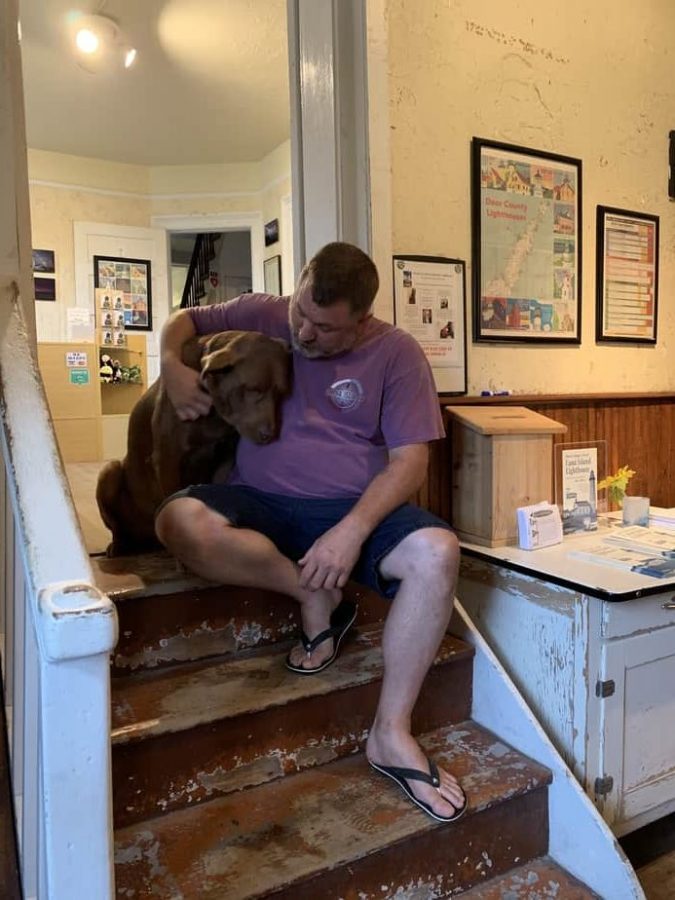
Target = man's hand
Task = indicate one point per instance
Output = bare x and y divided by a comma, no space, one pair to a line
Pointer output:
329,561
182,383
188,397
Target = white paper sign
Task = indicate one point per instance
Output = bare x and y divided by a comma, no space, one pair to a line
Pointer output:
429,303
76,360
79,323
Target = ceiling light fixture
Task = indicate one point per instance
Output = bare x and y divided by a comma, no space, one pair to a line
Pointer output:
100,44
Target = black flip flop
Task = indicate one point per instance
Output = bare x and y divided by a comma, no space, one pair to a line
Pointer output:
341,620
403,776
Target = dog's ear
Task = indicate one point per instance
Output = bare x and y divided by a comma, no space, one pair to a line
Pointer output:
223,351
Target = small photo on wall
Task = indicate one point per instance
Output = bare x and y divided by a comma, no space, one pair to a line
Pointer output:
129,282
43,261
45,288
271,232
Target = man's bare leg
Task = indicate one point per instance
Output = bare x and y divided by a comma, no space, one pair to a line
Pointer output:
426,562
207,544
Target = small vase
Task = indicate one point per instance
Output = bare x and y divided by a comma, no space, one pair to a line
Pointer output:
635,510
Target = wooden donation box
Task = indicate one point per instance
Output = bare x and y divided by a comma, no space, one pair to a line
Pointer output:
502,458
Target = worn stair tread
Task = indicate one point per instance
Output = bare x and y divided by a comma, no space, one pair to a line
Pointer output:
123,577
539,879
255,841
146,574
182,697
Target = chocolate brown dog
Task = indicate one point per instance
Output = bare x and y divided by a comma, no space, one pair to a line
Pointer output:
247,374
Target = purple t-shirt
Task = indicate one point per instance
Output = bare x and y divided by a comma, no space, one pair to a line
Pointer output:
344,413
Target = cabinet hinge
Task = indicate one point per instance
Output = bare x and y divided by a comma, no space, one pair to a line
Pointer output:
603,786
604,688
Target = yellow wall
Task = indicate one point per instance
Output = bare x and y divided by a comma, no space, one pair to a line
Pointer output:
66,189
592,81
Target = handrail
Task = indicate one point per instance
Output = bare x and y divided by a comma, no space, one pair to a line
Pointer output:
198,270
189,297
62,654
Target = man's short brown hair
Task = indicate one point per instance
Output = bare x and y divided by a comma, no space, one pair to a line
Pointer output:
341,271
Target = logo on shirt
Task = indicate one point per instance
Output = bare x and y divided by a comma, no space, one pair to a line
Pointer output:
346,393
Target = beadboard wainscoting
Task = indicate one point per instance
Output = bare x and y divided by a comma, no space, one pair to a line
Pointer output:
639,430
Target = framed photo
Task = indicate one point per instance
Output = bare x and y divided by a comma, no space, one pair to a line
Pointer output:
128,284
627,276
429,303
271,232
45,288
272,272
43,261
526,236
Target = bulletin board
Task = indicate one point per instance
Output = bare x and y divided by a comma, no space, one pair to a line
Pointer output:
430,304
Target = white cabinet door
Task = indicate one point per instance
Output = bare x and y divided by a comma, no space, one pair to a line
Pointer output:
638,727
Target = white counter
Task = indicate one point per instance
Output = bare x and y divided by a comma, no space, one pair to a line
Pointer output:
599,674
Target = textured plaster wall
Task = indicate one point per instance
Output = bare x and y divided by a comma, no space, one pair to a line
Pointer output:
53,211
589,80
66,189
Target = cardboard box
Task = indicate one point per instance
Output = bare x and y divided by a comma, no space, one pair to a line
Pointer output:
502,458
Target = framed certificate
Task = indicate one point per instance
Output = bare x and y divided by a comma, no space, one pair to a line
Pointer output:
627,276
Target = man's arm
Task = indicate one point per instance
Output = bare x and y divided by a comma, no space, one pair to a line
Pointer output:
182,383
330,559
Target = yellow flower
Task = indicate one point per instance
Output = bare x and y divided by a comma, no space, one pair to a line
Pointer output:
616,484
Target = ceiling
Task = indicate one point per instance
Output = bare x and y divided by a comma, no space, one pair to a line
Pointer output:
210,84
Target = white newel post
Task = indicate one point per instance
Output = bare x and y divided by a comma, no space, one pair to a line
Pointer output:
77,630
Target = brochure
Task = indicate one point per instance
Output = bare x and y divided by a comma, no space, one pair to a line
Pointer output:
654,541
579,489
539,526
628,560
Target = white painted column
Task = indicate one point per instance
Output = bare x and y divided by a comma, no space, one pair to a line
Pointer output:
329,137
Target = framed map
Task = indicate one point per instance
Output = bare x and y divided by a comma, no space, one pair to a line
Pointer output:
526,236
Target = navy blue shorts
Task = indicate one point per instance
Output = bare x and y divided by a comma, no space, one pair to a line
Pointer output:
294,523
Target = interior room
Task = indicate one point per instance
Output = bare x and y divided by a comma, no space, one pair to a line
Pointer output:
511,172
125,162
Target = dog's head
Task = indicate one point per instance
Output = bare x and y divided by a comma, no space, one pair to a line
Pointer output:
247,374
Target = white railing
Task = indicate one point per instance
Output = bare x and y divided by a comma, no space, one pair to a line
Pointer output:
58,631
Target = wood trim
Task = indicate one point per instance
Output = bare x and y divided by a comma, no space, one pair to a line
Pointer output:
532,400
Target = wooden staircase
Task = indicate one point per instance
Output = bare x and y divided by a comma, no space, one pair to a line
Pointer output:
234,778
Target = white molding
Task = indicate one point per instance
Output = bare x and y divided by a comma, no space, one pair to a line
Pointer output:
243,221
179,195
379,137
329,109
288,273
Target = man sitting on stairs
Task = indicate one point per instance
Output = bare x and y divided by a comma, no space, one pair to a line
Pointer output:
327,500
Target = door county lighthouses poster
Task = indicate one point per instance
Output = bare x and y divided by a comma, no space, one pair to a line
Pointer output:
579,490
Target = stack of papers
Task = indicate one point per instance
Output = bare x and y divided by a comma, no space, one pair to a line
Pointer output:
652,541
662,517
628,560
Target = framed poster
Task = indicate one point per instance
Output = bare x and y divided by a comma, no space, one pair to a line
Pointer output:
526,237
43,261
129,282
44,288
272,273
271,232
627,276
429,303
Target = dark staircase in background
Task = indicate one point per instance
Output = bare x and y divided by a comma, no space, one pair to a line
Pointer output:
198,271
234,778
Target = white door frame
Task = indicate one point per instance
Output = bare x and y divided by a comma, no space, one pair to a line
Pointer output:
327,43
244,221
